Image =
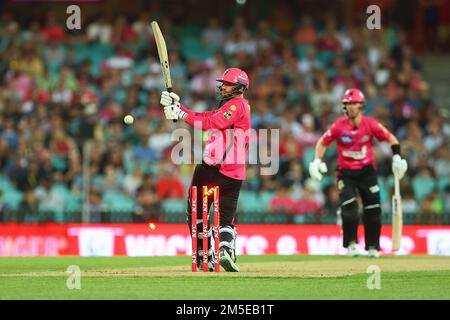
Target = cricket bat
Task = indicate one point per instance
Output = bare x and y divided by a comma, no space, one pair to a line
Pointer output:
397,215
163,57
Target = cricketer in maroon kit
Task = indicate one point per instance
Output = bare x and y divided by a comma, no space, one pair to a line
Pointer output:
356,173
224,159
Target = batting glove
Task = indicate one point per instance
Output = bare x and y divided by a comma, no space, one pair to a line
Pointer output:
316,168
173,112
169,98
399,166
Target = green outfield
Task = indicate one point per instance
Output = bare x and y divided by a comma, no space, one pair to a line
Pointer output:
261,277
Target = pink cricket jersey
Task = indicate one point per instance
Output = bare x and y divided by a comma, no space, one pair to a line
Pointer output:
229,136
355,145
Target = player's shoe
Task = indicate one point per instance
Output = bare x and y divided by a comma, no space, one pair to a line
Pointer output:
353,250
228,260
373,253
210,261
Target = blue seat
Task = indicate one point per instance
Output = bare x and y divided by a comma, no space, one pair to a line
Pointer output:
276,219
249,202
72,203
308,157
443,182
12,198
302,49
423,187
304,219
116,201
173,206
5,183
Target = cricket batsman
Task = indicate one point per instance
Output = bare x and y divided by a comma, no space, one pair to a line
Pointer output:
224,158
356,172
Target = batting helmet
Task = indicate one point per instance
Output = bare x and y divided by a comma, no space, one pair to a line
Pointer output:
234,76
353,95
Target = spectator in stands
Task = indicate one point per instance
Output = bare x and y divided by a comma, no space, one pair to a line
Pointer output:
308,204
4,209
149,205
434,139
47,72
306,34
283,202
213,35
169,185
133,181
332,202
50,200
97,210
431,210
28,207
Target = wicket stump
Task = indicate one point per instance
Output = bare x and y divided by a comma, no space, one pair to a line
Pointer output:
205,219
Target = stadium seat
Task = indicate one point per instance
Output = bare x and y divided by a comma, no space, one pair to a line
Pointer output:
5,183
275,219
302,50
325,57
121,217
173,206
304,219
308,157
384,194
116,201
72,202
328,219
264,198
423,187
443,182
12,198
249,218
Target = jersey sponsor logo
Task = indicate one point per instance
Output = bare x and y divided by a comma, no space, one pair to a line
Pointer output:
341,185
346,139
365,138
227,114
357,155
233,108
374,189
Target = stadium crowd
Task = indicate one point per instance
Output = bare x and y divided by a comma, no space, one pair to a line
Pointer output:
60,89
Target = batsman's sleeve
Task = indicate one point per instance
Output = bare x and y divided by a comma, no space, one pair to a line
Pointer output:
329,135
189,111
219,119
379,131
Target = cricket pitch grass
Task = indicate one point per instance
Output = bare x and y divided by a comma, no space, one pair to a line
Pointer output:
261,278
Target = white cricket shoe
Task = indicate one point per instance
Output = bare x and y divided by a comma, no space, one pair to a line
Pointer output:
228,260
353,250
373,253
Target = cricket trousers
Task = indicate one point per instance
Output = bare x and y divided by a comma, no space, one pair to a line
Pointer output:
206,175
363,182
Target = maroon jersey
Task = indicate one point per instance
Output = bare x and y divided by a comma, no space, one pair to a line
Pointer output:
355,144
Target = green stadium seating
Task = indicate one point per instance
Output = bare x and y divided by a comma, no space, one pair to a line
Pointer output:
116,201
249,218
328,219
302,50
12,198
304,219
308,157
275,219
423,187
173,206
